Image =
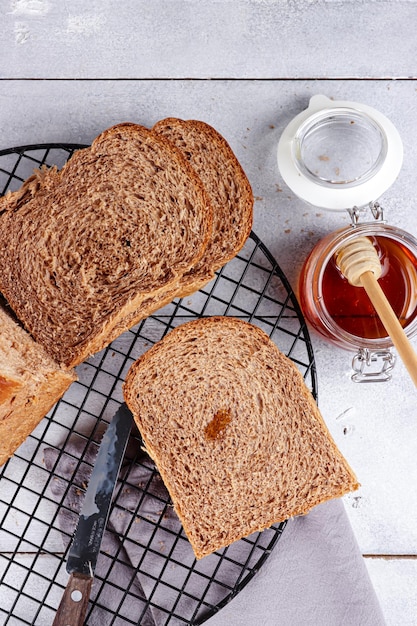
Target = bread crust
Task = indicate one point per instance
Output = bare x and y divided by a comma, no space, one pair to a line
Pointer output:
231,194
271,457
8,386
30,384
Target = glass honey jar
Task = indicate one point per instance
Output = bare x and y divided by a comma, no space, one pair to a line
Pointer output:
342,156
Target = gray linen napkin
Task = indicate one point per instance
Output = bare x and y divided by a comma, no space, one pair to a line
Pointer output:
314,576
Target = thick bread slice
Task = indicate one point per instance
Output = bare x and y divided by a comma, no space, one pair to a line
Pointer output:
85,246
235,434
229,190
30,384
230,195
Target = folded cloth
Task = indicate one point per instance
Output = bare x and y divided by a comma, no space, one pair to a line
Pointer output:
315,576
147,572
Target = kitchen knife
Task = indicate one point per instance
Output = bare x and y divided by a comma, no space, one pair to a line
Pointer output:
85,548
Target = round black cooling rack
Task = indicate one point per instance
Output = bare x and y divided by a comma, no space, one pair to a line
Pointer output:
146,573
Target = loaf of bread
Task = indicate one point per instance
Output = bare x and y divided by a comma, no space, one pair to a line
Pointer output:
119,224
234,432
30,384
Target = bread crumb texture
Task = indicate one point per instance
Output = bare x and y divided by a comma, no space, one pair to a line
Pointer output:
120,222
235,433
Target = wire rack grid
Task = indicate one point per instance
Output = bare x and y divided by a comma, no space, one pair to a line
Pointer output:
146,573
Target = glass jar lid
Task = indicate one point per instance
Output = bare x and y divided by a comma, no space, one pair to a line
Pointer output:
339,154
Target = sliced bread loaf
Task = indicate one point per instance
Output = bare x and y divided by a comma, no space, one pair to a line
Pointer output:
235,434
30,384
120,223
230,196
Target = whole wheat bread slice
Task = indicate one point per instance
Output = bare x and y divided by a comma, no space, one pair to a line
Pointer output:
120,223
228,187
236,435
30,384
231,198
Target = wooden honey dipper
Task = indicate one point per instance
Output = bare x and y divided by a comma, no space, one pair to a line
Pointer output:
359,263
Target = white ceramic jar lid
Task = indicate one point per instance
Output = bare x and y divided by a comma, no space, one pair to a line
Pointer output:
339,154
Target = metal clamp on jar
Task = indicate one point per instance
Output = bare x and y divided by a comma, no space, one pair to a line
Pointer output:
342,156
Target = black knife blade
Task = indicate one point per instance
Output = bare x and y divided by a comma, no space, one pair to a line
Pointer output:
94,513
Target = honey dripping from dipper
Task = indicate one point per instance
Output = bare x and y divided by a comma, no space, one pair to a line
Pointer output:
351,308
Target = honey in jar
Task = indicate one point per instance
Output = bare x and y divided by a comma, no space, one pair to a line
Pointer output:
343,313
342,156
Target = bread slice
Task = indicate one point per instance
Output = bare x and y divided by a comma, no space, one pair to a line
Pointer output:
235,434
230,196
30,384
120,223
228,187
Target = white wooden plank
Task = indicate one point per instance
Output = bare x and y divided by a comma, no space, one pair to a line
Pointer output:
394,581
194,39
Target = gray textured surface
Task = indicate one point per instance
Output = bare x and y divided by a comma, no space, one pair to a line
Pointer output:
194,39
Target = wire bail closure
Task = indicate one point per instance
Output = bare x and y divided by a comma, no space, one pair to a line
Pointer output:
374,207
373,366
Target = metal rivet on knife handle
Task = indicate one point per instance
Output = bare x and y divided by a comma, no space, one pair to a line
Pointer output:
74,602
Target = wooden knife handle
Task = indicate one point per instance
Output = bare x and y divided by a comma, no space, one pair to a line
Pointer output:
73,606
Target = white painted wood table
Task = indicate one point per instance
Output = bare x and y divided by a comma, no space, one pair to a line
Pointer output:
70,69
